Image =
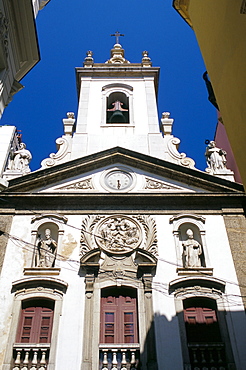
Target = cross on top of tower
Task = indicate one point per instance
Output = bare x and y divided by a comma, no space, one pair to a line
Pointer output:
117,35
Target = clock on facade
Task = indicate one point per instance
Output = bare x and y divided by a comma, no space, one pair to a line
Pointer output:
118,180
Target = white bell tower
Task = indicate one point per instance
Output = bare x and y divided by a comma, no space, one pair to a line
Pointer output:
117,108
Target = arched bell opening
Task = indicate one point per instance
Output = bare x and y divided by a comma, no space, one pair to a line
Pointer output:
117,108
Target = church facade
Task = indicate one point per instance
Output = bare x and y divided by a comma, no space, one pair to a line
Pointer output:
118,253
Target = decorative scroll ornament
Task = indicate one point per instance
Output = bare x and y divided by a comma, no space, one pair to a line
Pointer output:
154,184
149,226
172,143
118,234
87,229
79,185
55,158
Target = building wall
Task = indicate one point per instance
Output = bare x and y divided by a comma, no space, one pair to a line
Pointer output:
69,339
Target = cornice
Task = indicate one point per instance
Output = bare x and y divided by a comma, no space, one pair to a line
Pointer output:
42,178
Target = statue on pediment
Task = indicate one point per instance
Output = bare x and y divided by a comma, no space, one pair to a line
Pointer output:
216,157
21,159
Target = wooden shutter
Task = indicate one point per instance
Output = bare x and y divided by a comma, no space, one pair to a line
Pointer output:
119,317
35,325
201,324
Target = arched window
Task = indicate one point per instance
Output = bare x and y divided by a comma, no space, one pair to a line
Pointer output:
117,108
35,323
119,323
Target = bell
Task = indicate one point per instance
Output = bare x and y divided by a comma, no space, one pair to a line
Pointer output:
117,117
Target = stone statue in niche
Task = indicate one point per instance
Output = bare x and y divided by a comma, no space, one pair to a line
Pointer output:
46,250
21,159
216,157
192,251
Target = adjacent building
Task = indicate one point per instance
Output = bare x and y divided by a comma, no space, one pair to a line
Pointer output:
19,50
220,28
118,252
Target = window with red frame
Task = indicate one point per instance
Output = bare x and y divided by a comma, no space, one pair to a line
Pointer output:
35,323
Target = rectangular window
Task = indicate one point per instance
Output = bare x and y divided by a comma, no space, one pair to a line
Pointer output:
119,317
35,324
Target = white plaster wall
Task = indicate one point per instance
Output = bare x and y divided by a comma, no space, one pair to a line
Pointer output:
12,270
167,329
70,335
166,324
222,262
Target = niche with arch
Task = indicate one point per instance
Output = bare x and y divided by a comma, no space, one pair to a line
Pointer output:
46,245
47,232
192,249
190,243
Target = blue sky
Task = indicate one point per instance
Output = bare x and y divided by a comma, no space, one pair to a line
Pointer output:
67,29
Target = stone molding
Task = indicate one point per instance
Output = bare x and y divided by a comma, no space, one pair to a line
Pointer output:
197,286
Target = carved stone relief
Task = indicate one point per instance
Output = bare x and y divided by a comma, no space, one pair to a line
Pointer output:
154,184
4,29
79,185
243,7
118,234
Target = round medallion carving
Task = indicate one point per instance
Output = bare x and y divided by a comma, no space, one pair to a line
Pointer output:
118,234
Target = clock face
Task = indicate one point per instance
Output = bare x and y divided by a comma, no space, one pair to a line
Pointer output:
118,180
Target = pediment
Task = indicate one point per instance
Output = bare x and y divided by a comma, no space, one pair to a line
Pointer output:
120,170
117,179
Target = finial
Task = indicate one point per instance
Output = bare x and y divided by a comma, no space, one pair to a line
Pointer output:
146,61
69,124
166,115
70,115
117,55
117,35
88,61
166,123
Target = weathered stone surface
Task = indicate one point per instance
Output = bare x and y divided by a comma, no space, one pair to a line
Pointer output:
236,230
5,224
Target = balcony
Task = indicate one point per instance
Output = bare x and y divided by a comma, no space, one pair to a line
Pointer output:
209,356
30,356
119,356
